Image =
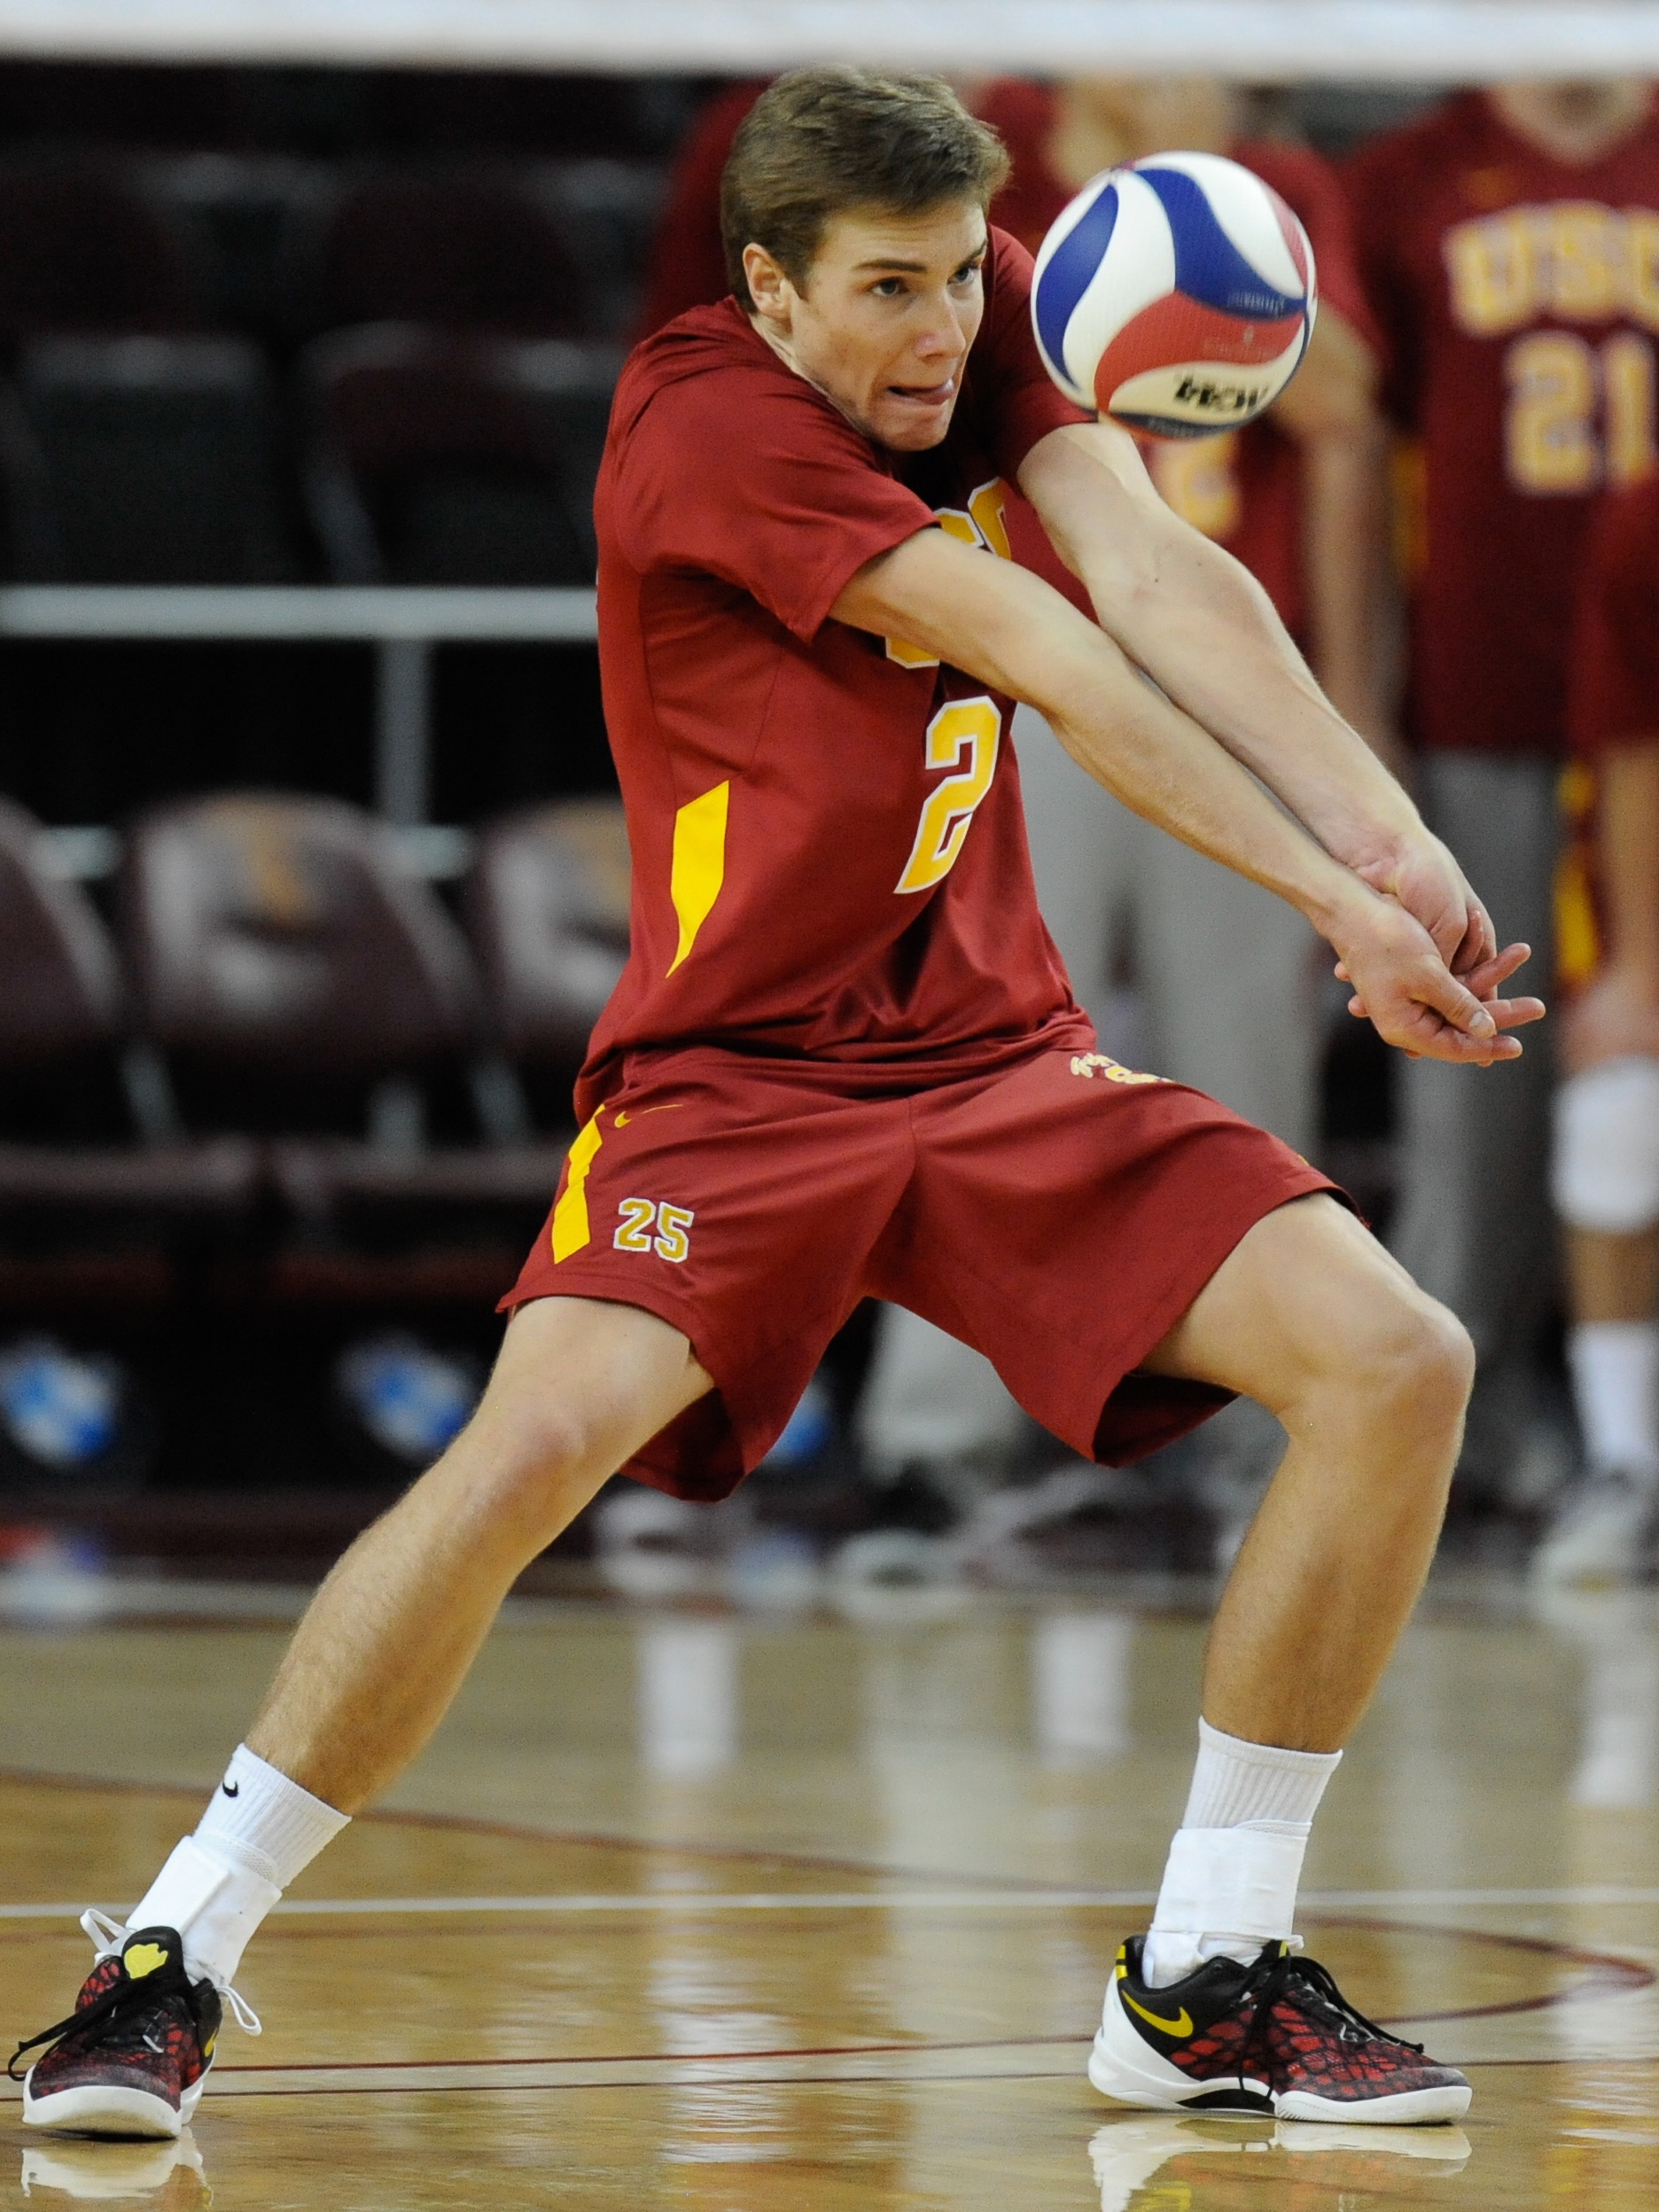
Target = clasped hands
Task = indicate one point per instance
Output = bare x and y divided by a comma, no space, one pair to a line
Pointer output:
1420,953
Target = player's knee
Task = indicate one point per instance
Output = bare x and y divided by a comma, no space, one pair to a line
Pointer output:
524,1456
1411,1366
1605,1171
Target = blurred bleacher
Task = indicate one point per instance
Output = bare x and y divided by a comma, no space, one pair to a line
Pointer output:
284,1088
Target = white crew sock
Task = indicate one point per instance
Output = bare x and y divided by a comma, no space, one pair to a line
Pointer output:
1230,1885
259,1831
1615,1389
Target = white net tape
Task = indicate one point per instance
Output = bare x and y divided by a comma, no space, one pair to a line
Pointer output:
1412,41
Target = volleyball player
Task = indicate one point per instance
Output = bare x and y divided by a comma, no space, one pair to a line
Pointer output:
1506,240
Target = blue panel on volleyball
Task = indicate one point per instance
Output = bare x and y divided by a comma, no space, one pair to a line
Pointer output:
1071,272
1209,266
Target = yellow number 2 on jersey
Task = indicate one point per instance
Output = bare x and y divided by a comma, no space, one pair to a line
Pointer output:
970,727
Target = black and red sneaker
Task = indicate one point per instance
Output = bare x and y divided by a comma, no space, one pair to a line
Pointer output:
1274,2037
132,2057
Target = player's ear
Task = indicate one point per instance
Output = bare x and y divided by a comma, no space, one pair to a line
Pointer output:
769,286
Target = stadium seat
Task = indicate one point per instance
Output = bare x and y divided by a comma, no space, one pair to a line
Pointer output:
606,211
569,387
248,215
99,1186
81,251
445,460
462,250
546,904
161,459
31,541
305,985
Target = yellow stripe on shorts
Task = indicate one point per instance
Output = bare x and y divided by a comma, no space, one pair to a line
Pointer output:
571,1231
699,863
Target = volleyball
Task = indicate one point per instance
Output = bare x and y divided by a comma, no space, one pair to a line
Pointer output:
1177,295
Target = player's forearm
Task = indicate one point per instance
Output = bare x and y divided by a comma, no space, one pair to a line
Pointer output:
1164,766
1206,631
1628,835
1012,632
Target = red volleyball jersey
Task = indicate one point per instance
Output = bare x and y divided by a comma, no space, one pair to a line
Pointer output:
829,856
1519,296
1613,699
1243,487
1614,680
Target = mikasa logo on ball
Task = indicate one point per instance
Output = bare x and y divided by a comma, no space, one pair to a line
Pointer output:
1175,295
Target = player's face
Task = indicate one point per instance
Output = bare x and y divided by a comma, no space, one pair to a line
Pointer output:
891,305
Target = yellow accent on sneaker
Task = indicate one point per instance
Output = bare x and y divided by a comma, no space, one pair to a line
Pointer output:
144,1958
1181,2027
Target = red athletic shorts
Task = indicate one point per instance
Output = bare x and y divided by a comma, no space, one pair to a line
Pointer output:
1059,1213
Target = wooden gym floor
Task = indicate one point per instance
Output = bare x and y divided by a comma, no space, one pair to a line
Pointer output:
741,1915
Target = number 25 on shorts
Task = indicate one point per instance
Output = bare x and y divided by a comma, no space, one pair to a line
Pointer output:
642,1216
970,727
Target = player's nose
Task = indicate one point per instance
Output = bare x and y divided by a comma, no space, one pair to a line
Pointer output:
941,342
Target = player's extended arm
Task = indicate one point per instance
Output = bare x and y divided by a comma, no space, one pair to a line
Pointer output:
1203,629
1619,1014
1013,631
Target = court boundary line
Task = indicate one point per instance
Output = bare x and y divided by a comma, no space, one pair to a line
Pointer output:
11,2094
1607,1974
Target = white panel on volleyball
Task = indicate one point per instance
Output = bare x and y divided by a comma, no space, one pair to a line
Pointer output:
1245,217
1206,395
1137,268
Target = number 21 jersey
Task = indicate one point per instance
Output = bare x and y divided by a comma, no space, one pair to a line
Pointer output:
1520,298
830,857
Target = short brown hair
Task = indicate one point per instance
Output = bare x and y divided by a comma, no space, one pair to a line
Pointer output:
819,143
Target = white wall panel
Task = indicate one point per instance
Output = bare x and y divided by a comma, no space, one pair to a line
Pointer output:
1409,40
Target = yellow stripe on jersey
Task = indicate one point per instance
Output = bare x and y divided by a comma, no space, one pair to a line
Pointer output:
571,1231
699,863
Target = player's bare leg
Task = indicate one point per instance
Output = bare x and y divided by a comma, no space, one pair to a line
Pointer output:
1315,1320
580,1385
1370,1378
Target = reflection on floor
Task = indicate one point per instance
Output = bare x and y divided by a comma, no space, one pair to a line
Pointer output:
763,1915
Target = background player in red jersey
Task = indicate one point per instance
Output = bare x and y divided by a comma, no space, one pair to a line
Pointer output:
1606,1177
845,1059
1509,241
